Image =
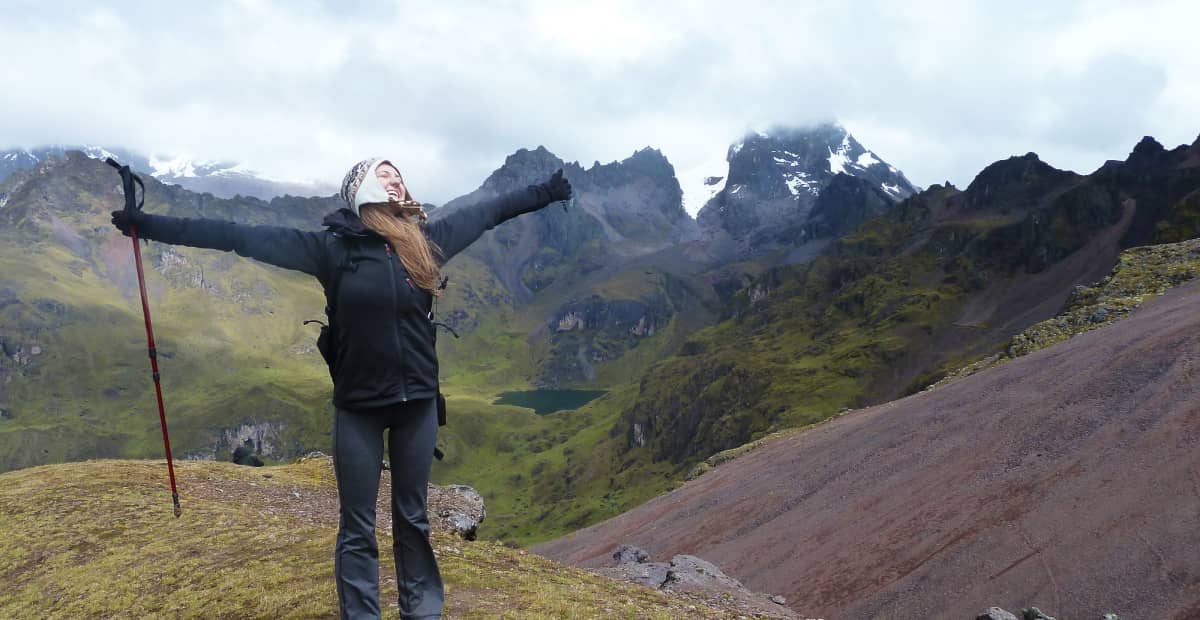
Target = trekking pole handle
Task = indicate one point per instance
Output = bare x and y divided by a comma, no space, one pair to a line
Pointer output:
128,178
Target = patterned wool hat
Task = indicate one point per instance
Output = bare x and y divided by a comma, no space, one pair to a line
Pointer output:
361,186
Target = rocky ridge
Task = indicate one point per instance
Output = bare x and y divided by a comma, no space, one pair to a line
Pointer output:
775,178
693,577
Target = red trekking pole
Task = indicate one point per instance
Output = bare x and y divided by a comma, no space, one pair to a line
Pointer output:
128,178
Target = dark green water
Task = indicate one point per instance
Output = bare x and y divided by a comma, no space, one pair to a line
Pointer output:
549,401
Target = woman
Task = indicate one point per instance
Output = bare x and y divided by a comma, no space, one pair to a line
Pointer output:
378,260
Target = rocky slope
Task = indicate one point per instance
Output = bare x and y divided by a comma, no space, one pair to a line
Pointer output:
1064,479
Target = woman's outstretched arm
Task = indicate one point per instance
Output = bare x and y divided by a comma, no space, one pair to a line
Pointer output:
454,232
283,247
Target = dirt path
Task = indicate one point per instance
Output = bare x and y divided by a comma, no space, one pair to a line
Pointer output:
1068,479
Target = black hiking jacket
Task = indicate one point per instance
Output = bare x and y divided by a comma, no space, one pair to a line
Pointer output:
384,337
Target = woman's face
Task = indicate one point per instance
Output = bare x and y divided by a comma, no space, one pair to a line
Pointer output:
390,179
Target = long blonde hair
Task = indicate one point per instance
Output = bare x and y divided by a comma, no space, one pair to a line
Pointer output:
403,232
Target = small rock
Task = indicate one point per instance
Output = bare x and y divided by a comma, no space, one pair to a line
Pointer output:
995,613
316,455
1099,316
779,600
268,475
1033,613
627,554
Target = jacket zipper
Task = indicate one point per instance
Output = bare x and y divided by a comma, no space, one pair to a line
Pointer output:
387,248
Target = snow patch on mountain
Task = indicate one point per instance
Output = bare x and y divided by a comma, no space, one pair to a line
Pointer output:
794,175
21,154
802,182
700,183
180,166
867,159
99,152
838,160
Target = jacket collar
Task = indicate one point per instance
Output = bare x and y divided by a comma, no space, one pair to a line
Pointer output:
344,222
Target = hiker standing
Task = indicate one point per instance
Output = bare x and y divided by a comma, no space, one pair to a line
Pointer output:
378,260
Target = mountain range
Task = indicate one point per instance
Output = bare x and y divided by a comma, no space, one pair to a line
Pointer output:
815,279
224,179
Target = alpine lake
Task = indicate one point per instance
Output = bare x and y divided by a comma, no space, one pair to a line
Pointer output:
549,401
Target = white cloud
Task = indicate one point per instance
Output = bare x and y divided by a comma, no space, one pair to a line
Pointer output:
303,90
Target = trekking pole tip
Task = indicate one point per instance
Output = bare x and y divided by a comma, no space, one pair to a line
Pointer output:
178,510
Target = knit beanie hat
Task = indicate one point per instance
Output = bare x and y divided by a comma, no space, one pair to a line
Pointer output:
361,186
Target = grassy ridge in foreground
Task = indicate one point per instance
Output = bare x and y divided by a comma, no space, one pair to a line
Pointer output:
97,540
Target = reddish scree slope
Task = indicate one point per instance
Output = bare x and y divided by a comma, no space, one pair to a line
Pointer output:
1068,479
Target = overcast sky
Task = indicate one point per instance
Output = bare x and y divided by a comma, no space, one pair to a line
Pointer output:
302,90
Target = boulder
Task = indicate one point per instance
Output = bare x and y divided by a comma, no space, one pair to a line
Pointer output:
649,574
691,571
696,579
995,613
626,554
457,508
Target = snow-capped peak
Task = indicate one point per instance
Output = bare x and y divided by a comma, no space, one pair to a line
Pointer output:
804,159
98,152
21,154
180,166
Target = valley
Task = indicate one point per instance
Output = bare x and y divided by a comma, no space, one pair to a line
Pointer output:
777,308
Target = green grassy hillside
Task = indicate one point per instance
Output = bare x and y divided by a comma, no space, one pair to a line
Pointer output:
232,348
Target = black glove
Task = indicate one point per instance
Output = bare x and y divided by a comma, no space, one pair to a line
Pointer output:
557,187
123,218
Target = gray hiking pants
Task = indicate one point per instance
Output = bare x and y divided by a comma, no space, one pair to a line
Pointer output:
357,456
